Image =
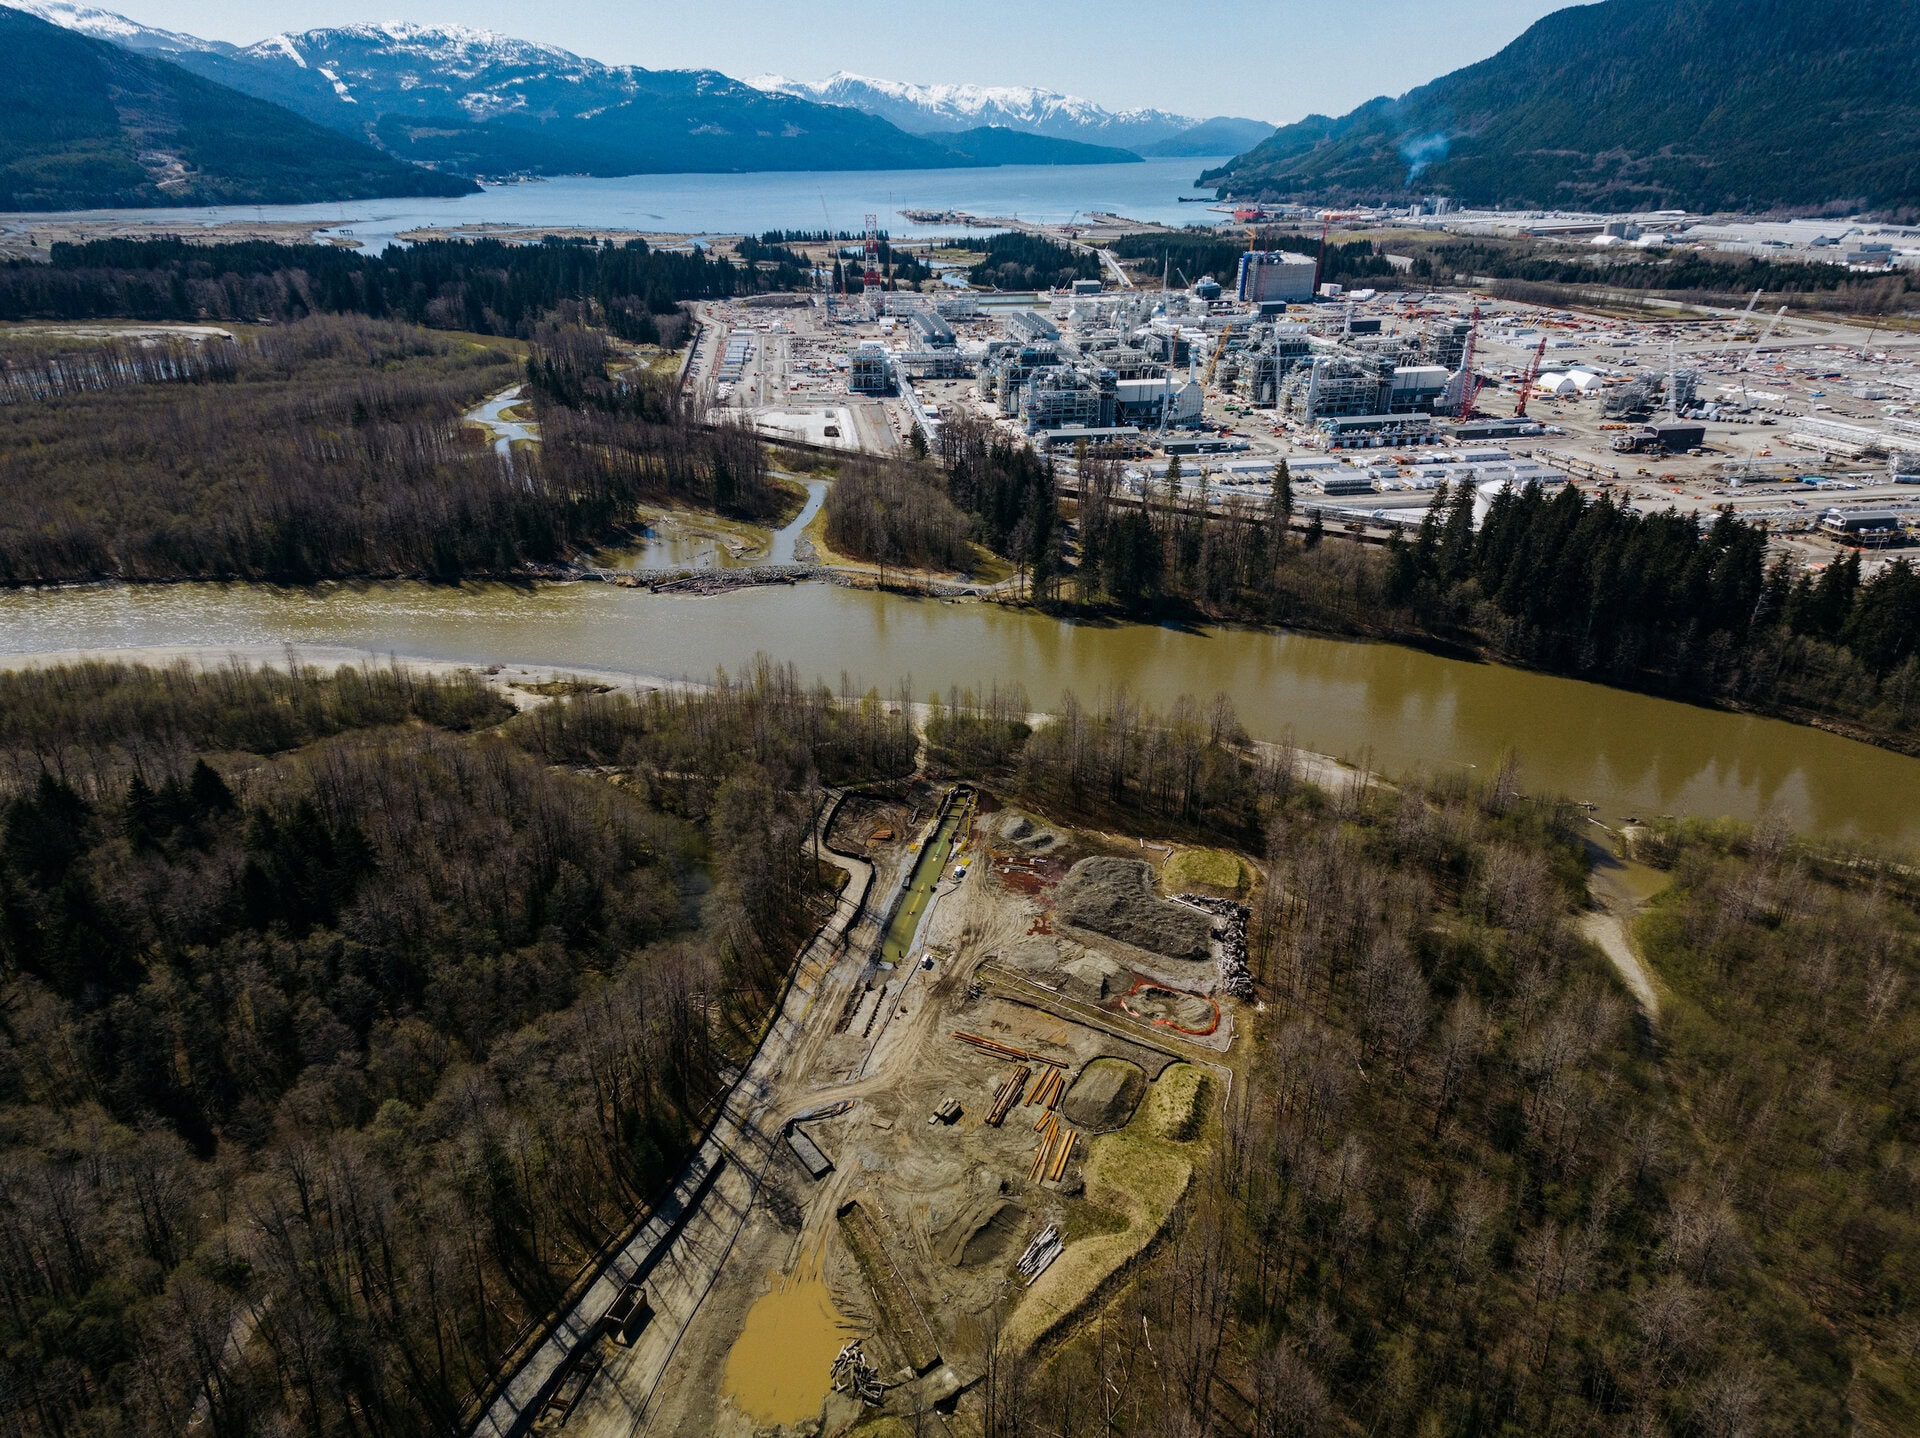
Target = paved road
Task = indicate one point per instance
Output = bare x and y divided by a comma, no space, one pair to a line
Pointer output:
681,1249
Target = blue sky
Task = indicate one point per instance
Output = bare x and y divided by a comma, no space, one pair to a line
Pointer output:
1273,59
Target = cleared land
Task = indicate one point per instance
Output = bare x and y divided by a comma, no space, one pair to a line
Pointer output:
936,1189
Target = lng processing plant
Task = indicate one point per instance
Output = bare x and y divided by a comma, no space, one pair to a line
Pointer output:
1373,398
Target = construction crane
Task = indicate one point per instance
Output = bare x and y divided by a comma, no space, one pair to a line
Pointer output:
1321,258
1743,319
1468,389
1532,374
871,277
1219,349
1772,325
1747,358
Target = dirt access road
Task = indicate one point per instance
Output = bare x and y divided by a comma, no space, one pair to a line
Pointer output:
1622,889
682,1247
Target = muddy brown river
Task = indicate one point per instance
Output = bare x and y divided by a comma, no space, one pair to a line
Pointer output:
1630,754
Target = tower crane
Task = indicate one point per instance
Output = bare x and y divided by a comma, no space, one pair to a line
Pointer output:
1532,374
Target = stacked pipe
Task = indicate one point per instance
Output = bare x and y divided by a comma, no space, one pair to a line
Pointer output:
1041,1253
1049,1125
1005,1051
1004,1096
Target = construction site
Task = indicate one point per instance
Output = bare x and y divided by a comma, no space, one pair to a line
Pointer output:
984,1096
1809,424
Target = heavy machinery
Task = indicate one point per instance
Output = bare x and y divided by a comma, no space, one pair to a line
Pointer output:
1743,320
1758,344
1219,349
1532,374
1469,387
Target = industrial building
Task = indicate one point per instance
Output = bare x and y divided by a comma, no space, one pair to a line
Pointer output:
1378,431
931,330
1026,327
1063,396
1267,276
1861,527
869,371
1153,403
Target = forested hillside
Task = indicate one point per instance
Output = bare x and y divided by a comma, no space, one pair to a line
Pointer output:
482,287
92,126
339,1021
1637,104
1019,261
335,447
350,1013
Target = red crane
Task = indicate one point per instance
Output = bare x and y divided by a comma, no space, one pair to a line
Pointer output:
1469,390
872,279
1533,373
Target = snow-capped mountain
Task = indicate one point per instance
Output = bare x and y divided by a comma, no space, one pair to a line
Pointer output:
480,103
930,109
938,109
118,29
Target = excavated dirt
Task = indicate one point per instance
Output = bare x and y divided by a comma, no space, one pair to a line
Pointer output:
1116,897
1105,1095
1034,838
982,1232
952,1204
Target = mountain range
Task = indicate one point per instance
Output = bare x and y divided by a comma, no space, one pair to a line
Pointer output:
939,109
1749,105
474,103
91,125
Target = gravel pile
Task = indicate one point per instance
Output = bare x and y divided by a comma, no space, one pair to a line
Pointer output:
1116,897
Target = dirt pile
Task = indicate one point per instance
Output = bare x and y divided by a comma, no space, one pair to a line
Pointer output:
1116,897
1032,837
981,1232
1105,1095
1066,968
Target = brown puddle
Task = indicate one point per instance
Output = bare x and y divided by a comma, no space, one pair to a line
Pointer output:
778,1369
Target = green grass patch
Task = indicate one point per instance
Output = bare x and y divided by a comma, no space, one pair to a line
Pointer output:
1205,869
1175,1108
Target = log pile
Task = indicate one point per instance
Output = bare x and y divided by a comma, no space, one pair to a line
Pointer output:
1008,1092
851,1373
1231,936
1040,1254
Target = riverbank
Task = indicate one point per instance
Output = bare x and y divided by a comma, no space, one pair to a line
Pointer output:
1390,709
